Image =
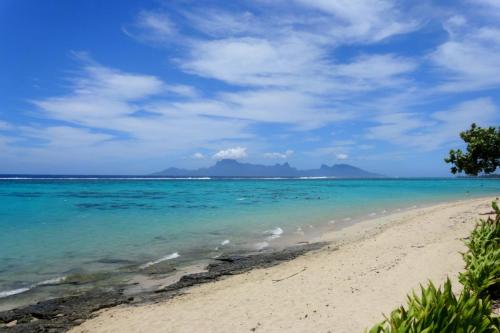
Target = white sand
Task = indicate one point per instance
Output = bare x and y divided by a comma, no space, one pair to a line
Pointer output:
345,290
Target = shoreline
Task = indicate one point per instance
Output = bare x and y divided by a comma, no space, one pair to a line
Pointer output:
63,313
109,233
143,277
79,308
343,288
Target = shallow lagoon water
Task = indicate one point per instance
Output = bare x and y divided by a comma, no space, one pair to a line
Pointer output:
51,228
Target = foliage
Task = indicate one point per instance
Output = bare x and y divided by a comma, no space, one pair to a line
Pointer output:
483,151
439,310
482,260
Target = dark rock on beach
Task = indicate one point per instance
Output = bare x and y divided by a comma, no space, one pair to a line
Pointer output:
230,265
61,314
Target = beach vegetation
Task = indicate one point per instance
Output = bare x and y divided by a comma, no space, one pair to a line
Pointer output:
482,259
439,310
482,153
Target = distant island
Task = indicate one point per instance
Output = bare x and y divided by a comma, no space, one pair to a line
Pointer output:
233,168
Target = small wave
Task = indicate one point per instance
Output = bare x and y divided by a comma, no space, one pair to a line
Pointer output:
49,282
275,233
372,214
241,199
225,242
56,280
154,262
261,245
8,293
332,222
347,219
318,177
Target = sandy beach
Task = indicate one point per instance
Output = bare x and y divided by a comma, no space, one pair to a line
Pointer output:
345,287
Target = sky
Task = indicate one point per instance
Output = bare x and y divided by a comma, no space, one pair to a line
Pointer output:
134,87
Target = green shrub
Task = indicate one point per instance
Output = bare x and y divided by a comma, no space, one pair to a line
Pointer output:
440,311
482,260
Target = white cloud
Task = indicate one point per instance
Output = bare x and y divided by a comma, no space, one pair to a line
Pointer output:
278,155
231,153
342,157
366,20
293,63
152,26
376,67
253,61
469,59
288,69
492,5
183,90
101,93
219,23
65,137
429,132
198,156
104,100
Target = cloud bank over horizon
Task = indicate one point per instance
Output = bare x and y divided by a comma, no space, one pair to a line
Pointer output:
381,84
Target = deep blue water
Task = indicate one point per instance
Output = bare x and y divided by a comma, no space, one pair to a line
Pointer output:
54,227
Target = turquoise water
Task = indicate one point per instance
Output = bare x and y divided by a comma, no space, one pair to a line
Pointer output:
54,227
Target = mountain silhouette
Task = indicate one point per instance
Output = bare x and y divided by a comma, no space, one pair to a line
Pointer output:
233,168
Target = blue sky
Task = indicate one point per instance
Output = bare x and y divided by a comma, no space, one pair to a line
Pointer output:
131,87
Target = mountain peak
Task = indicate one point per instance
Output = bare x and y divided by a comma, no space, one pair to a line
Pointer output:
233,168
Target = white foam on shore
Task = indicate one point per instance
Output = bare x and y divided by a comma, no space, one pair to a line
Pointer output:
347,219
299,231
241,199
225,242
56,280
372,214
274,233
7,293
332,222
165,258
261,245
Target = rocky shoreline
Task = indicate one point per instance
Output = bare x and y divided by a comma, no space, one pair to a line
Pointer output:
61,314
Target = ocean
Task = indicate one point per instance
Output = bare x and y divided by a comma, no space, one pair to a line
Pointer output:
61,235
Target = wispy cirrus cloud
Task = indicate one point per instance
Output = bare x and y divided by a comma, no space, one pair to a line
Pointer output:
472,61
430,131
365,20
152,26
249,74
